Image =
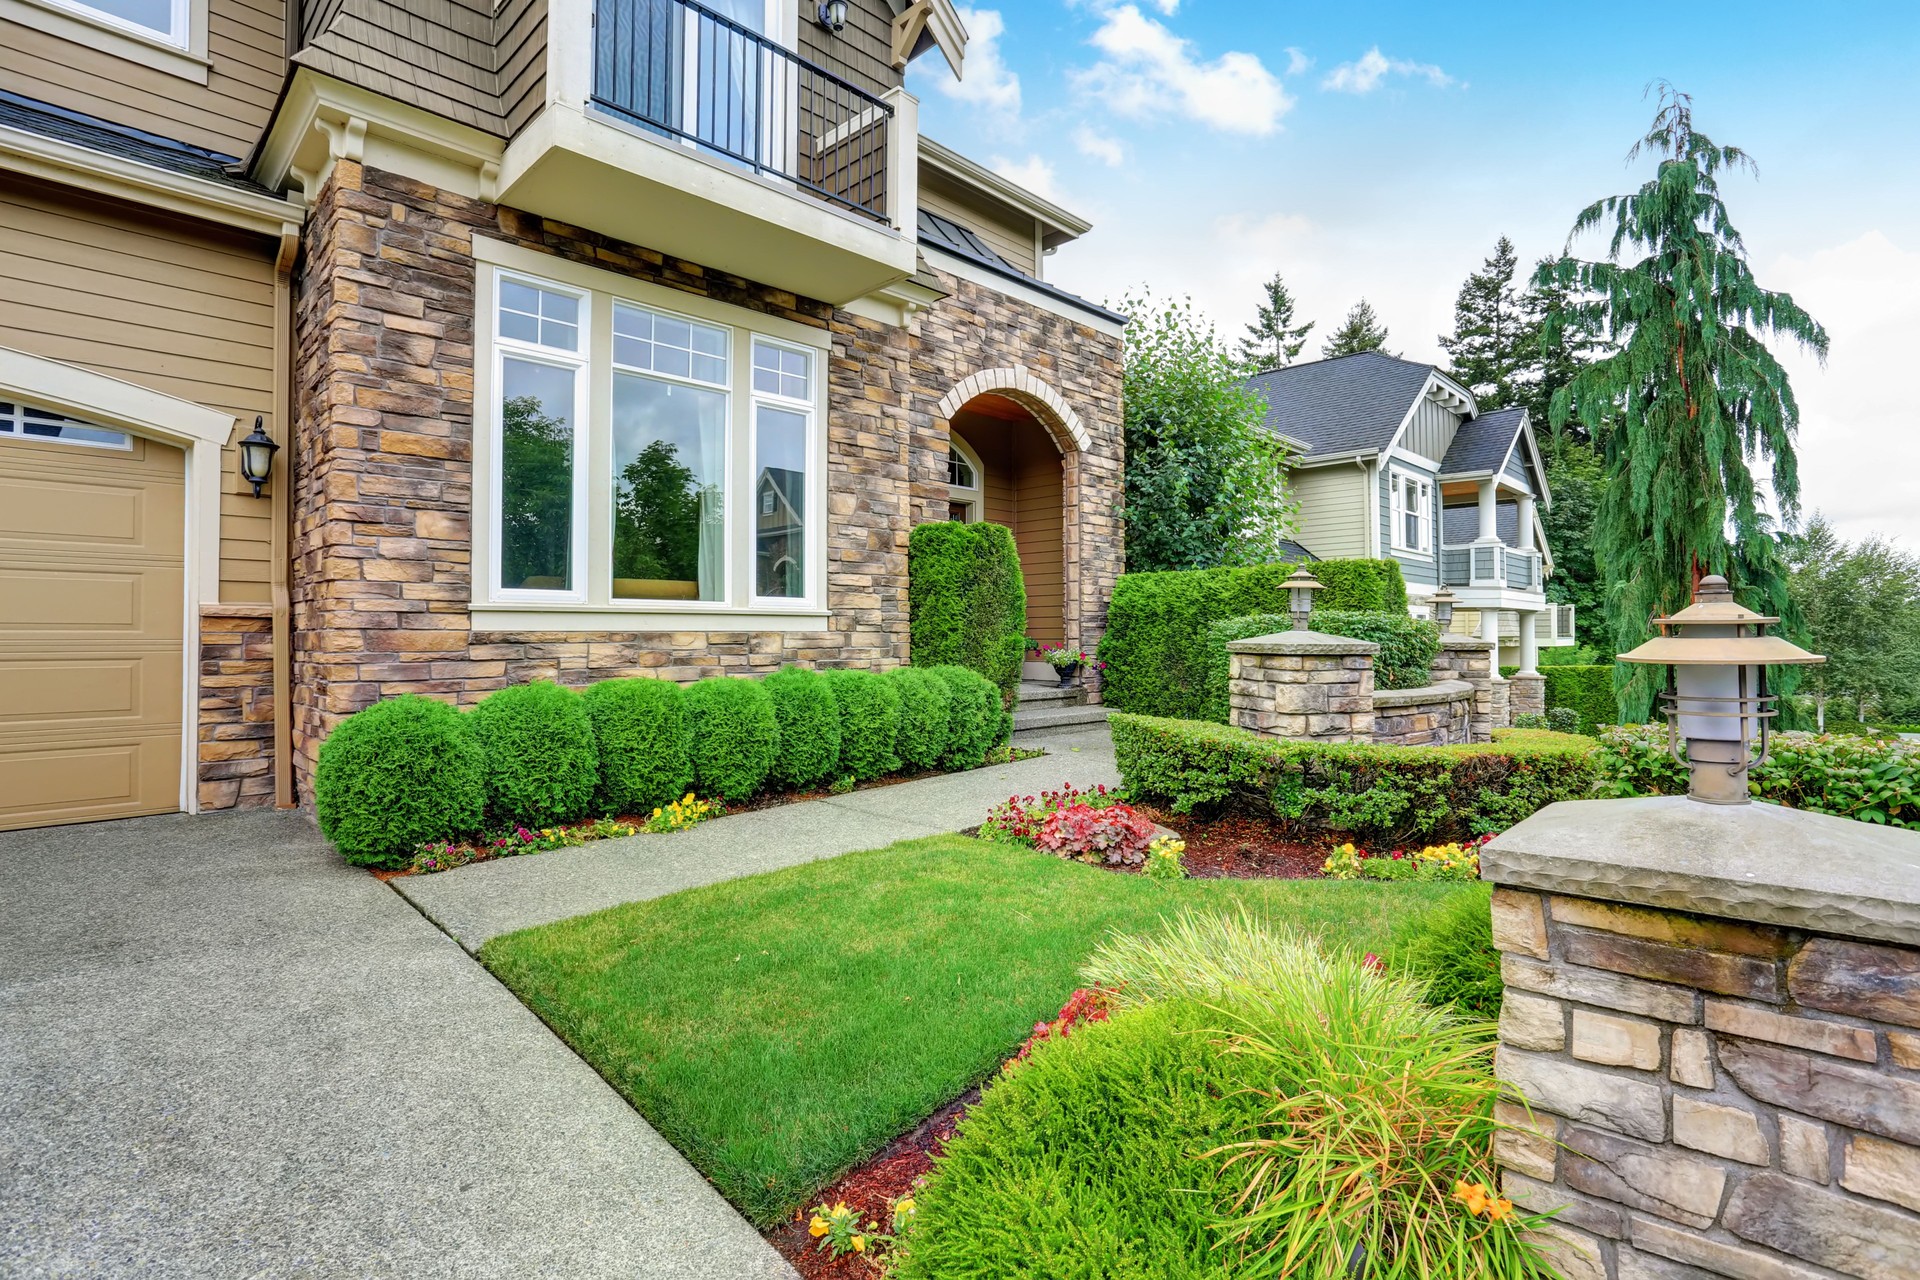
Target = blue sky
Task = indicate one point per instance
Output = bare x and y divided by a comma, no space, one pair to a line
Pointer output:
1379,150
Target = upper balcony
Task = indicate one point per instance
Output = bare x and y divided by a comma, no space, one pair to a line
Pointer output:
1491,564
672,125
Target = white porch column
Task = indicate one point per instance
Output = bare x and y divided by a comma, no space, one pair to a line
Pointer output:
1529,644
1489,512
1490,631
1524,537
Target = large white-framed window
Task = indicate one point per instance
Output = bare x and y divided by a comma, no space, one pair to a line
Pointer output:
1411,511
651,459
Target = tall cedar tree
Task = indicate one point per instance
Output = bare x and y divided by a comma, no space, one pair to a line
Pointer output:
1273,340
1491,346
1687,395
1360,331
1205,481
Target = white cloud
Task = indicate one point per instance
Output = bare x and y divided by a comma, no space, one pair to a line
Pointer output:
1146,70
1297,61
1033,173
1364,74
1099,146
989,82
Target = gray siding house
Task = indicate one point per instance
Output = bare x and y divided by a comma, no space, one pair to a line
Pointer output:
1396,460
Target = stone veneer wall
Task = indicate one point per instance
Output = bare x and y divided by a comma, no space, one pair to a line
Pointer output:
1469,658
382,458
1712,1096
1303,685
1526,695
235,753
1431,717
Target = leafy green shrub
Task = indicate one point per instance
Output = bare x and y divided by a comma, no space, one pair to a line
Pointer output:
973,723
396,775
966,601
809,724
1530,720
1854,729
1085,1162
1562,720
869,707
1867,779
1408,645
543,765
1449,949
1154,647
926,711
1570,655
640,730
735,735
1587,690
1379,795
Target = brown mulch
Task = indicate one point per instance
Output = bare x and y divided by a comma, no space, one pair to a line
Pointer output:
869,1188
1237,847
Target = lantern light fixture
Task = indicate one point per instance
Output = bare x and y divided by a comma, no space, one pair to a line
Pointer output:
1718,652
1442,602
833,15
1300,587
256,455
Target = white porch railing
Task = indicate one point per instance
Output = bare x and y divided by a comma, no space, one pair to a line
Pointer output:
1490,564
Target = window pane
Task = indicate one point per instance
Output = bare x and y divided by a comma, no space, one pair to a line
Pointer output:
44,424
669,500
536,476
960,472
532,314
154,15
667,344
780,372
780,451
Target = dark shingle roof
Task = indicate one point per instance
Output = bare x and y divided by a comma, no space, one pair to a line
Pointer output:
1346,404
944,233
1293,552
1462,524
1484,443
120,140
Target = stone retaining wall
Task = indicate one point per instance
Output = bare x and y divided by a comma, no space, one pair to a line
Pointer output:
1429,717
1301,684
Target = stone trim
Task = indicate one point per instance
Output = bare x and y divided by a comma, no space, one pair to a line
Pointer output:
1032,392
1305,643
1444,691
235,743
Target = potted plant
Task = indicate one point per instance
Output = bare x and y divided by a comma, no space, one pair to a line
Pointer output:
1067,662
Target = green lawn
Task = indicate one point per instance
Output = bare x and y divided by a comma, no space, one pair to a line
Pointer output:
781,1028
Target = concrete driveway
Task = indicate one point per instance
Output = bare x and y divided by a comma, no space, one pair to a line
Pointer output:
224,1054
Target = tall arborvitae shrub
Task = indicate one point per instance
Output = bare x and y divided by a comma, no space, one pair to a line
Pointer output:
966,600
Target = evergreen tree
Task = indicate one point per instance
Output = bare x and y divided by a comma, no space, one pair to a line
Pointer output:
1862,606
1273,340
1554,355
1573,476
1360,331
1491,344
1688,393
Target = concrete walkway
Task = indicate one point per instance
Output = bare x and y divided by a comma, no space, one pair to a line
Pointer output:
491,898
222,1053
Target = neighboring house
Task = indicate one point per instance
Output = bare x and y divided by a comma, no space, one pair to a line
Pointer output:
600,338
1396,460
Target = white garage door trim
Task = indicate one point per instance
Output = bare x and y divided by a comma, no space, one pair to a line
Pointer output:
202,433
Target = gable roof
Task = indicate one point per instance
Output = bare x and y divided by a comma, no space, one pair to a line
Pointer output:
1483,443
1348,404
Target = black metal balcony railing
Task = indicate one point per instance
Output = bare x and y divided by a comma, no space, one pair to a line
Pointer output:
680,69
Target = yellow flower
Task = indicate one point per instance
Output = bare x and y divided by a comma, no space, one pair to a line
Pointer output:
839,1207
1499,1210
905,1205
859,1244
818,1227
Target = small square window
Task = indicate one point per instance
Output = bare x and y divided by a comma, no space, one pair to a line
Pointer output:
539,316
778,371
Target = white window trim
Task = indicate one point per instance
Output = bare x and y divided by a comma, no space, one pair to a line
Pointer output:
815,584
1397,509
181,52
977,495
599,611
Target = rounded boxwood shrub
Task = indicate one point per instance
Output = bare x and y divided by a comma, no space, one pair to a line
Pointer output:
925,709
973,723
541,761
735,736
640,729
869,708
396,775
809,727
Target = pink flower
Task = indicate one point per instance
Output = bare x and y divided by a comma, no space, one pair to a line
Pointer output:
1374,962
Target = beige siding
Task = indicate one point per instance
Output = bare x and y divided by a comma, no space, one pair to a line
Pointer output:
521,56
1431,432
1023,489
1009,232
246,41
1332,522
173,305
862,55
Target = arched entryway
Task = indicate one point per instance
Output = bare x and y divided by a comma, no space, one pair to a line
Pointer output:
1013,458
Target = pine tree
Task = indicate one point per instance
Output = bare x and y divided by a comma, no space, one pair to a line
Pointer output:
1273,340
1360,331
1489,346
1688,393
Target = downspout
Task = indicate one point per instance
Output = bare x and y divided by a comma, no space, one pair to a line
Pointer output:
283,796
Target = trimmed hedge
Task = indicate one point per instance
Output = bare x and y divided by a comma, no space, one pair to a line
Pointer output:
966,600
735,737
926,712
395,775
1155,647
1382,796
1585,688
640,728
973,725
809,728
869,708
542,764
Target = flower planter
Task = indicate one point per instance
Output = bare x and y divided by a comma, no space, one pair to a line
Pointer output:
1068,674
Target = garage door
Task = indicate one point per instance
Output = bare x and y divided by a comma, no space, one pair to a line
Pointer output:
92,525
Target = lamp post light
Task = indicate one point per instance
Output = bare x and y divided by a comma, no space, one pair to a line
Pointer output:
1716,698
1300,588
1442,602
256,455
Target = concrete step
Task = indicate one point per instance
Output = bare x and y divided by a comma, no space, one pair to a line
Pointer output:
1046,719
1032,693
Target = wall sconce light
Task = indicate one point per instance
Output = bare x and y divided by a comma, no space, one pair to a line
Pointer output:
1718,653
1442,602
256,455
833,15
1300,588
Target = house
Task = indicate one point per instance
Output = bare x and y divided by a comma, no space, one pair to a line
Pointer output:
1395,459
596,337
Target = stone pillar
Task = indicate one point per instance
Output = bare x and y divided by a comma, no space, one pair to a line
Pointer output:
1469,658
1527,689
1714,1013
1302,684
